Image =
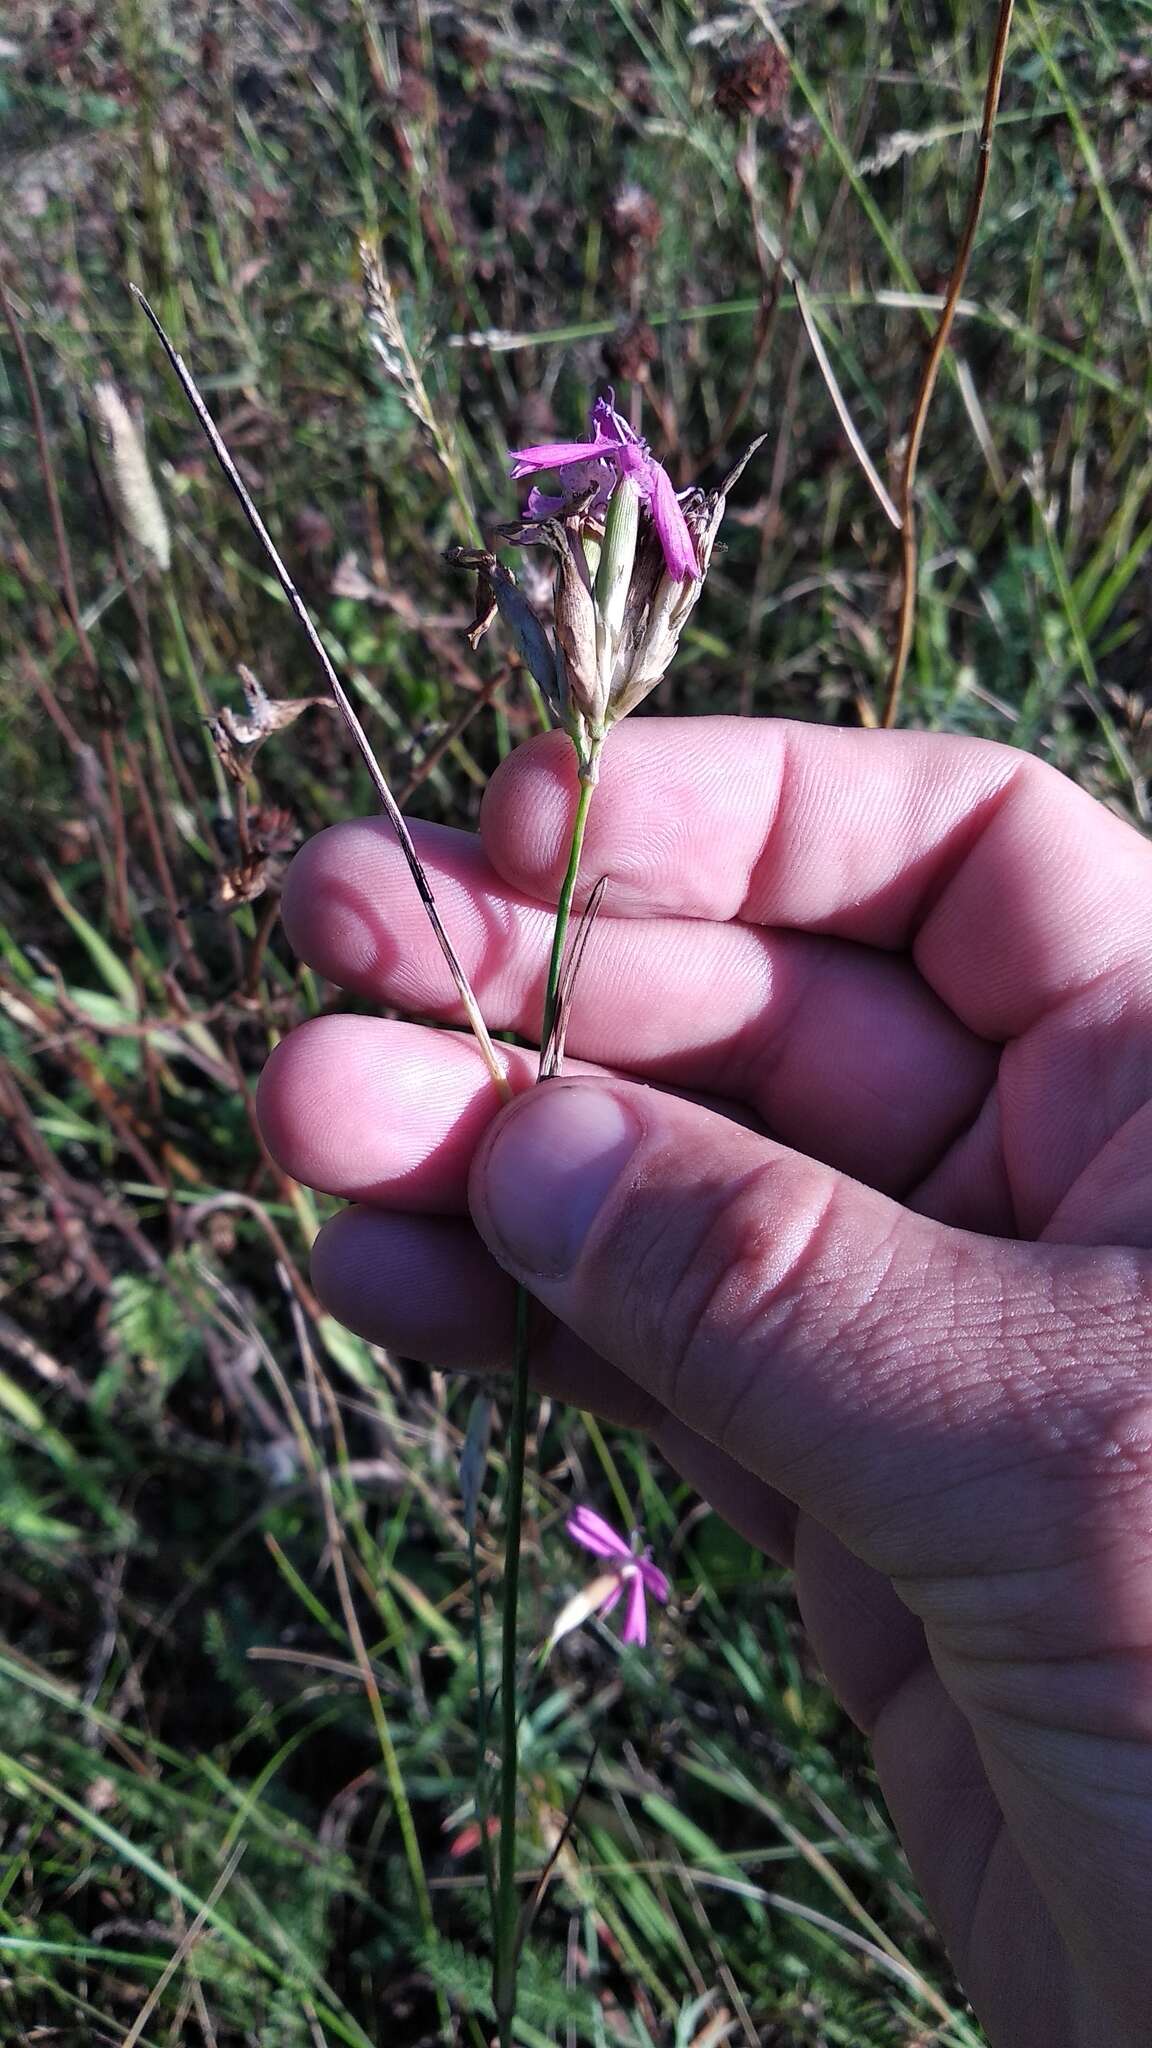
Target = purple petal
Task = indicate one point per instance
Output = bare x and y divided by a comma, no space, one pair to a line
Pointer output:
593,1533
635,1629
610,1599
655,1581
671,525
560,454
545,505
542,505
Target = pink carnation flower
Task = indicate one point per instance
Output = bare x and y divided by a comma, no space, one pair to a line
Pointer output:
612,451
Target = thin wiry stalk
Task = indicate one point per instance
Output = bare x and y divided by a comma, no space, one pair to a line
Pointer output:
448,738
195,687
304,620
339,1560
473,1462
183,1949
532,1905
482,1803
508,1937
552,1051
55,512
909,540
841,406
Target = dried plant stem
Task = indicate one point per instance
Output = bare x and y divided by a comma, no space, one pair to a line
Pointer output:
184,1947
304,620
159,731
507,1943
68,591
840,405
455,731
483,1807
909,540
195,686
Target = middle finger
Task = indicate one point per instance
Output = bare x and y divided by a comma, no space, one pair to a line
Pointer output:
843,1052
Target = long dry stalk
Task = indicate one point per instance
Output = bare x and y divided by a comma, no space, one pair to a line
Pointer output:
320,653
909,539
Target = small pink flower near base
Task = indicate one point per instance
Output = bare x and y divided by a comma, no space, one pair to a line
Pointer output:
631,1575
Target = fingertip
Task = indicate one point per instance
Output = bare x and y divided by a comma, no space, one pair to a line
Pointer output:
384,1278
545,1169
306,1104
299,888
330,907
333,1262
274,1100
372,1109
423,1287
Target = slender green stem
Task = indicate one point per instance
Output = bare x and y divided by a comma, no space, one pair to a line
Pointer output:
192,677
482,1807
610,1469
564,906
507,1957
507,1915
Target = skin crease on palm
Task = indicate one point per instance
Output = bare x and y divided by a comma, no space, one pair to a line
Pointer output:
856,1136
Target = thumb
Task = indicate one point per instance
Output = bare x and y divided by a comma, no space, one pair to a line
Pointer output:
932,1396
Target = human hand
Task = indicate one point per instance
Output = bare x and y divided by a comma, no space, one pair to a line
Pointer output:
891,1313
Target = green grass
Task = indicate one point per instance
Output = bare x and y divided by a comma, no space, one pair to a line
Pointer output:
233,1772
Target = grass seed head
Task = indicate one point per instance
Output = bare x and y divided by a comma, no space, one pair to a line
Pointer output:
135,498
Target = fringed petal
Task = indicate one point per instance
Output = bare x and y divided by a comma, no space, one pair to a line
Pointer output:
635,1629
671,525
655,1581
543,504
593,1533
561,454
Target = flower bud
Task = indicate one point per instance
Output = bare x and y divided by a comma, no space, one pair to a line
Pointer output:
576,631
617,557
651,645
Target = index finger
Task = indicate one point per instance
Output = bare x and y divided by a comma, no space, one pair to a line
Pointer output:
1011,887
